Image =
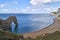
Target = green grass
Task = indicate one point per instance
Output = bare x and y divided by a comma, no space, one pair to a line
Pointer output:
50,36
4,35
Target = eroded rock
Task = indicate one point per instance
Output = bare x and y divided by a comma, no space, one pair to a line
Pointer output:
6,24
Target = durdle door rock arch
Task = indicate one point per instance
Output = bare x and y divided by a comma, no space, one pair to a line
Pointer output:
6,24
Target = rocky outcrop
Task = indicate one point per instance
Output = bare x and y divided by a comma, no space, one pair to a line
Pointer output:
6,24
56,13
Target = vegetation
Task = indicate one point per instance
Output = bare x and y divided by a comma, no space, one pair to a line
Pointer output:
50,36
4,35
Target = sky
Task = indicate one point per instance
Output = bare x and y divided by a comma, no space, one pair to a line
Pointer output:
29,6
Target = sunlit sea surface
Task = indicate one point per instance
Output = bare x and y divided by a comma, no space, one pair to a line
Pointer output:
29,22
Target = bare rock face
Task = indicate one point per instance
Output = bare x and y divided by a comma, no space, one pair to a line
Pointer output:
56,13
6,24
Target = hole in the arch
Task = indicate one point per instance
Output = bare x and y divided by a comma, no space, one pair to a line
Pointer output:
12,26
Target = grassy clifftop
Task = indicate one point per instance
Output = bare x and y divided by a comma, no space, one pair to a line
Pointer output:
49,36
4,35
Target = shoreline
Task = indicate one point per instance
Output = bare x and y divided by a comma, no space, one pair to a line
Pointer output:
49,29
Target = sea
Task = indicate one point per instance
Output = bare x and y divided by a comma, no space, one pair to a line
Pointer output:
29,22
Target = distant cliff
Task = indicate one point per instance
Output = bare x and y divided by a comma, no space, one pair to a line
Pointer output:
56,13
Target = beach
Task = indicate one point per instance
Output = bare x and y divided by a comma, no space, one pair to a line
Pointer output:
55,26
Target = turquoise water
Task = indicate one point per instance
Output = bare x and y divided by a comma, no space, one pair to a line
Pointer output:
29,22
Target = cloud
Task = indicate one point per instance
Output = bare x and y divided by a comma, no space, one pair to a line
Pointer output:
28,7
2,5
5,10
36,2
8,4
37,6
42,6
14,2
39,2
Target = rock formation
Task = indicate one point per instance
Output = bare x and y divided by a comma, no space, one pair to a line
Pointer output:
57,13
6,24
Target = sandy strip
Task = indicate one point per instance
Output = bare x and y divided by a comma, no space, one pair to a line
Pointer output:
50,29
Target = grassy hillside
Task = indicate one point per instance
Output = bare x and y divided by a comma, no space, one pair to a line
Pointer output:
4,35
49,36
